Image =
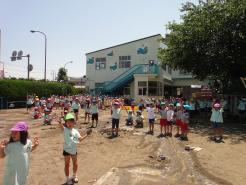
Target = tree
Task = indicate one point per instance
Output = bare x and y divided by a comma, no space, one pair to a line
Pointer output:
210,41
62,75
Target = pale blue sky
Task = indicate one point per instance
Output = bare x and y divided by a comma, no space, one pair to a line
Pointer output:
76,27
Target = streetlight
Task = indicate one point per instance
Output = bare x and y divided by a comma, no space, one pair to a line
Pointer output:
67,63
45,50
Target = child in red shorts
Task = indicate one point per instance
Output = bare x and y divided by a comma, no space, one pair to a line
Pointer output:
184,125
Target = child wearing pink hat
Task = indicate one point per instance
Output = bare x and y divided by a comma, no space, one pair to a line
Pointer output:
17,150
216,120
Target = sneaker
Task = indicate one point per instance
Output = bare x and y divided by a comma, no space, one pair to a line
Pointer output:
149,132
177,135
75,179
69,181
170,134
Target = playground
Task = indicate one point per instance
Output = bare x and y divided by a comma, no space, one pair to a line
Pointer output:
134,157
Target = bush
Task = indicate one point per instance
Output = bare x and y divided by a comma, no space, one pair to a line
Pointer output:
14,90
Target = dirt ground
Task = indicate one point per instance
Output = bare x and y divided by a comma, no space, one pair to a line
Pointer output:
134,158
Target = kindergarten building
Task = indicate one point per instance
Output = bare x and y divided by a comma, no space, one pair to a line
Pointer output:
133,69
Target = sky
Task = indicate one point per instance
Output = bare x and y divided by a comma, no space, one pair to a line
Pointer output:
74,28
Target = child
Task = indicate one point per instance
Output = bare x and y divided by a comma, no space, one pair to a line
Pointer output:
151,117
115,112
129,120
71,138
217,119
184,125
170,119
64,113
47,117
49,104
29,103
75,107
17,150
241,109
36,113
94,113
163,120
139,119
178,116
87,109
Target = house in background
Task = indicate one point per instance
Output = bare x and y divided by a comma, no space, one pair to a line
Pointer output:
132,68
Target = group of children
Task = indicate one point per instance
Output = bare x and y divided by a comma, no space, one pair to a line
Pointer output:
18,148
173,113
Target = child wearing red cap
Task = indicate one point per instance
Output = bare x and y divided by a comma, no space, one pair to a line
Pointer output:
17,150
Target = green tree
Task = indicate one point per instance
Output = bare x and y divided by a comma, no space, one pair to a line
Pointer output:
210,41
62,75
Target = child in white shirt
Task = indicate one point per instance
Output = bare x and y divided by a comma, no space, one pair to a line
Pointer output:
71,138
217,119
151,117
170,119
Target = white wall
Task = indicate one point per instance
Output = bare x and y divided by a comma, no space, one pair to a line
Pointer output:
128,49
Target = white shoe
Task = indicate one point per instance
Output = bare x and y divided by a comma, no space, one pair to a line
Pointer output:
69,181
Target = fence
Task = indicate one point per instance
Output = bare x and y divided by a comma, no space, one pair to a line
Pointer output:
15,104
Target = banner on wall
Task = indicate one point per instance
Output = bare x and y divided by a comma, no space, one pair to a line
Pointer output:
90,60
113,67
142,50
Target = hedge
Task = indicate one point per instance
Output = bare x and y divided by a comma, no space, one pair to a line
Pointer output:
14,90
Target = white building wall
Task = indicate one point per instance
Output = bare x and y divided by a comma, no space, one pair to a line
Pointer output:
128,49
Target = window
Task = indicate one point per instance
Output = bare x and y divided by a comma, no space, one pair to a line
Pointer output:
100,63
142,88
124,61
126,91
154,88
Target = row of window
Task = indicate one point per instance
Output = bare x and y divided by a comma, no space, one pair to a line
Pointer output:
124,62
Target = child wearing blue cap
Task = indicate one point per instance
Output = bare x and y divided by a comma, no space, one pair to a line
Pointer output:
17,150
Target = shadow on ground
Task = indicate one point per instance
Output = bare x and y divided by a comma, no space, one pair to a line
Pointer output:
234,130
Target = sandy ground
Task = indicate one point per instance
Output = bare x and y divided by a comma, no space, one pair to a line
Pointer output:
133,158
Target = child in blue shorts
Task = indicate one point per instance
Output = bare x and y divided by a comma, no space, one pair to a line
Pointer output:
216,120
